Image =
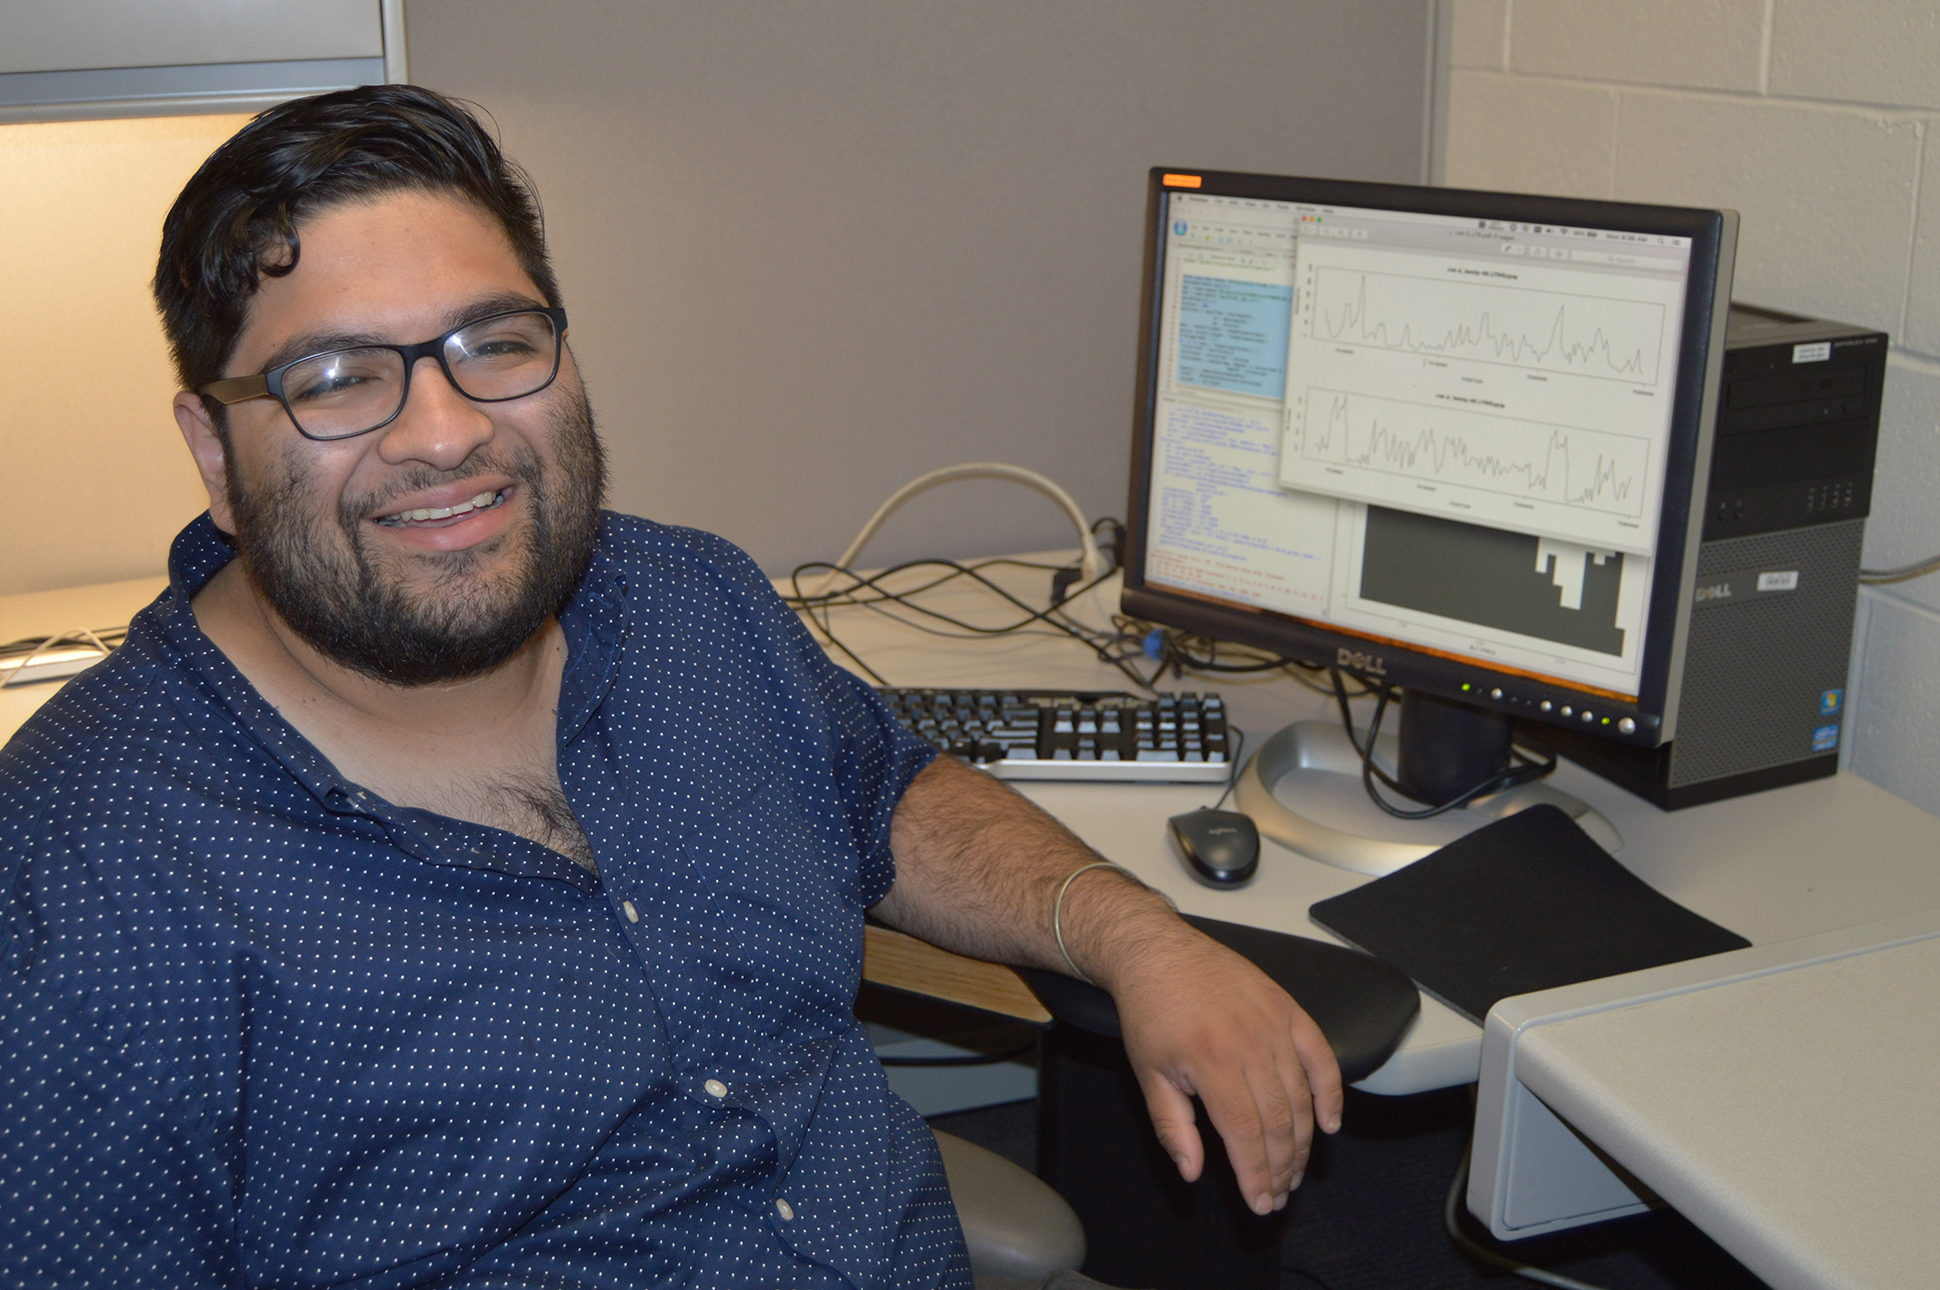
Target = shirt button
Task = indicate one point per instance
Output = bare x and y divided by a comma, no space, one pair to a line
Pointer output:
632,914
715,1088
786,1210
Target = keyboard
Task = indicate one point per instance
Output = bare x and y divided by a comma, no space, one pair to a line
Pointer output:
1064,734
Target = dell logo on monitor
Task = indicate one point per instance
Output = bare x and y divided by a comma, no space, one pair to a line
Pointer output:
1370,663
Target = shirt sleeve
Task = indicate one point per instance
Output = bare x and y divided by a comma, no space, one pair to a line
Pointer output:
873,756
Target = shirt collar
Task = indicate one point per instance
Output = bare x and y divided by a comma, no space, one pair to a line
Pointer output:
594,623
198,553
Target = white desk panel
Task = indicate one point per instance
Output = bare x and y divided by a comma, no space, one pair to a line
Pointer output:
1781,1097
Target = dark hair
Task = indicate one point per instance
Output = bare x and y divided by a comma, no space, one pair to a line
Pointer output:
239,217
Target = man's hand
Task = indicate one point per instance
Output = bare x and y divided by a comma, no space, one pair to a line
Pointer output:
1199,1020
978,870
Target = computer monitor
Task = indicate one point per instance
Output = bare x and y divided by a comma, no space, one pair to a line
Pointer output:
1454,442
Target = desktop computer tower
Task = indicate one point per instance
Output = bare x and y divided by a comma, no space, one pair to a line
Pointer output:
1763,685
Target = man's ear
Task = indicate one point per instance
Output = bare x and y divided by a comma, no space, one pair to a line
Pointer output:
211,460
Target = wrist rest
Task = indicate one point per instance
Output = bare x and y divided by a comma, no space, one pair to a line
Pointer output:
1361,1004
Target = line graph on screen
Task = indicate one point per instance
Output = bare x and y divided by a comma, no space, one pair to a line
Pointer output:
1525,327
1593,470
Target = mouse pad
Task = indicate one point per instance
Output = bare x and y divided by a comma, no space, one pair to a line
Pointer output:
1361,1004
1526,903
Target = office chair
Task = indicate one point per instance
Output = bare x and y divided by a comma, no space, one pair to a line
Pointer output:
1021,1234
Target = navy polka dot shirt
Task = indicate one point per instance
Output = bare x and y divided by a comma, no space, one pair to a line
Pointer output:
260,1027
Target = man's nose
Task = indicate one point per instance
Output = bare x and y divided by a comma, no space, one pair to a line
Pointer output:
438,426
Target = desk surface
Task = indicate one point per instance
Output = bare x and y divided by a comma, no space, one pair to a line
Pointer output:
1772,866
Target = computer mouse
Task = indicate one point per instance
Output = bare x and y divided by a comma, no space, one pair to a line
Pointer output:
1221,848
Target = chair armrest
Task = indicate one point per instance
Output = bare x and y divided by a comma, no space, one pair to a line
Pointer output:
1014,1224
901,962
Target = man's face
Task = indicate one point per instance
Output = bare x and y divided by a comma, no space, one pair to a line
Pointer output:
336,535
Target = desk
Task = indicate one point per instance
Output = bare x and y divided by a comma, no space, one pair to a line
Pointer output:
1774,866
1781,1097
1668,1087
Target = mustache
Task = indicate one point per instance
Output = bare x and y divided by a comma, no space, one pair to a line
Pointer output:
522,466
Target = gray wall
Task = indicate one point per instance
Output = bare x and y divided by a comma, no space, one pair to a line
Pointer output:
813,250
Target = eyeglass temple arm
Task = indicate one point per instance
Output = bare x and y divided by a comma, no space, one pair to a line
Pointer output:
237,388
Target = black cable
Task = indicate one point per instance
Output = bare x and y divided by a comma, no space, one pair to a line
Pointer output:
1527,772
1514,777
1341,696
827,601
965,1059
1116,543
953,571
1208,665
1120,649
1177,654
829,632
1179,647
1051,618
1467,1245
902,598
1236,744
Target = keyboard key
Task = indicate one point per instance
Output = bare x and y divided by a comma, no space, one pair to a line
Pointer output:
1029,734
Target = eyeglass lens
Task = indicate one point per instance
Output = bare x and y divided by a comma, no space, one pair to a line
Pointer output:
349,391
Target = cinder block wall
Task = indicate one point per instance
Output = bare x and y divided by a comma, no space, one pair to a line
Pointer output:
1819,121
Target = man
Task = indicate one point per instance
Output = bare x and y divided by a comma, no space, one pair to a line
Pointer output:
449,883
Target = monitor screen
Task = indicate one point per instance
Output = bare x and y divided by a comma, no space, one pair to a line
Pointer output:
1448,440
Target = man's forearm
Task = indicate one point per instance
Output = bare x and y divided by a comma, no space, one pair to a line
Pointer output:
978,870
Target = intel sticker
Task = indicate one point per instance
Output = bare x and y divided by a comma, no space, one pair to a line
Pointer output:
1825,739
1816,352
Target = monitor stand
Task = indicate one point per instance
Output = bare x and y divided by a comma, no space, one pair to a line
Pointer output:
1303,789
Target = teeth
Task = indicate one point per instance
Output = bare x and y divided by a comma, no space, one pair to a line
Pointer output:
479,502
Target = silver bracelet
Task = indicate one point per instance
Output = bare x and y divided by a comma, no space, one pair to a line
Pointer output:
1057,910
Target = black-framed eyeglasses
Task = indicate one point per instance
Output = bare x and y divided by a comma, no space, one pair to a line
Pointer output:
347,392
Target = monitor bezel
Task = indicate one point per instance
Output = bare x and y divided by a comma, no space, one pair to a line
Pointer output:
1693,416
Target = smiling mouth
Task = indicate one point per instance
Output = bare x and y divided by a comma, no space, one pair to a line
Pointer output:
438,514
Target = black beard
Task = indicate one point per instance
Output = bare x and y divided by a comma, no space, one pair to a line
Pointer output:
339,599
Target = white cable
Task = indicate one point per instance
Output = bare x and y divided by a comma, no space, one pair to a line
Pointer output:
1091,563
1905,572
79,636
